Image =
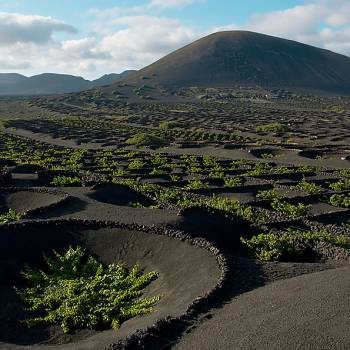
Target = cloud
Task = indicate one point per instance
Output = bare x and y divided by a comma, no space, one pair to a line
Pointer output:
171,3
17,28
295,21
143,39
86,48
341,15
324,23
14,65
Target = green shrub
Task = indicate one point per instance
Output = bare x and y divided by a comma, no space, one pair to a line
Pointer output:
169,124
292,210
231,206
267,155
305,169
10,216
217,174
273,127
273,246
194,170
76,291
259,169
175,177
175,196
65,181
120,173
233,181
268,195
136,164
145,139
340,200
183,200
341,185
157,171
159,159
344,172
309,187
210,161
268,247
196,185
284,170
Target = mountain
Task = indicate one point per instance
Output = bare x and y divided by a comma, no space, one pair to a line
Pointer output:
49,83
108,79
249,59
11,78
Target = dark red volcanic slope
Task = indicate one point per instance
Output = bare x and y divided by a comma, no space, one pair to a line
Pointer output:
247,58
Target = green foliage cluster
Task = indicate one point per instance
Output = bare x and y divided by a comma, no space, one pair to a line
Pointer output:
183,200
340,200
10,216
146,139
274,246
175,177
158,193
66,181
233,181
305,169
157,171
234,207
284,170
210,161
341,185
267,155
159,159
309,187
24,151
268,195
196,185
136,164
273,127
259,169
120,173
76,291
294,211
169,124
282,206
344,172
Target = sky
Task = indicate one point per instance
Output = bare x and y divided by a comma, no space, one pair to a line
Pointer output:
90,38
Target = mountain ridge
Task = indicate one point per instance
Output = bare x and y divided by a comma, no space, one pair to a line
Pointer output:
52,83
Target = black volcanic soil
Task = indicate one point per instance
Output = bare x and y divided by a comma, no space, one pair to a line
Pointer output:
83,205
118,195
306,312
24,201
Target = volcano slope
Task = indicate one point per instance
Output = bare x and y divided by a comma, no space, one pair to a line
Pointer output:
246,58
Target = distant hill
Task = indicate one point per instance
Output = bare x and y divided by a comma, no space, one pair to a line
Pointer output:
108,79
49,83
248,59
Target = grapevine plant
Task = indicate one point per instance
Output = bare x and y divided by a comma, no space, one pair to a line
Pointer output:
76,291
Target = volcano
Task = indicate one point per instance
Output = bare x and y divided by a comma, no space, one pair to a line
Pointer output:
242,58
